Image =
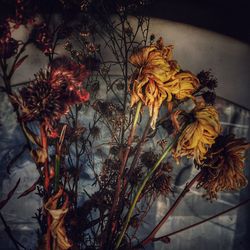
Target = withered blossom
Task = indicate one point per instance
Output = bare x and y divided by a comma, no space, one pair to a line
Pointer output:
8,47
199,135
207,79
149,158
158,78
106,108
67,73
39,101
222,169
42,38
162,184
183,85
53,91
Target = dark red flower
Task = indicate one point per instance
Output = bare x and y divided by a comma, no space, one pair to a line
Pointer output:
5,30
25,12
39,101
53,91
8,47
69,76
42,38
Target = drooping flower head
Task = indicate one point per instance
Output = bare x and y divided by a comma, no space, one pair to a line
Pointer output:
222,170
200,134
158,78
69,75
53,91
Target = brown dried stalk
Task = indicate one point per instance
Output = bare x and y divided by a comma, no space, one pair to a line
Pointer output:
150,237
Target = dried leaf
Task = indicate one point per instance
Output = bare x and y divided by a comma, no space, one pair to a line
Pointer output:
19,62
39,155
58,232
62,135
31,136
15,100
5,201
29,190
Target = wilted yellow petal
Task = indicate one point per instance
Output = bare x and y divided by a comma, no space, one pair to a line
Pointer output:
199,135
158,78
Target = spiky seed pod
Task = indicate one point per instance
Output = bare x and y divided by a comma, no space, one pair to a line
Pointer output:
162,184
149,158
108,109
167,167
207,79
53,91
39,101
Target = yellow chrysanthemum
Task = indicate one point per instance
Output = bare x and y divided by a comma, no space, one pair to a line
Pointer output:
158,78
199,135
183,85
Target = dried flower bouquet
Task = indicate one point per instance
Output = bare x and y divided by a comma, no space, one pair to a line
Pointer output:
150,93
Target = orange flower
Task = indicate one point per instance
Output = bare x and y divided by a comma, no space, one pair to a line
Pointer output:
222,170
157,78
199,135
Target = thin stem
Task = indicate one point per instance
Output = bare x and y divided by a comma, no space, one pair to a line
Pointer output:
203,221
58,157
57,171
138,151
46,164
143,184
123,164
46,184
150,237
